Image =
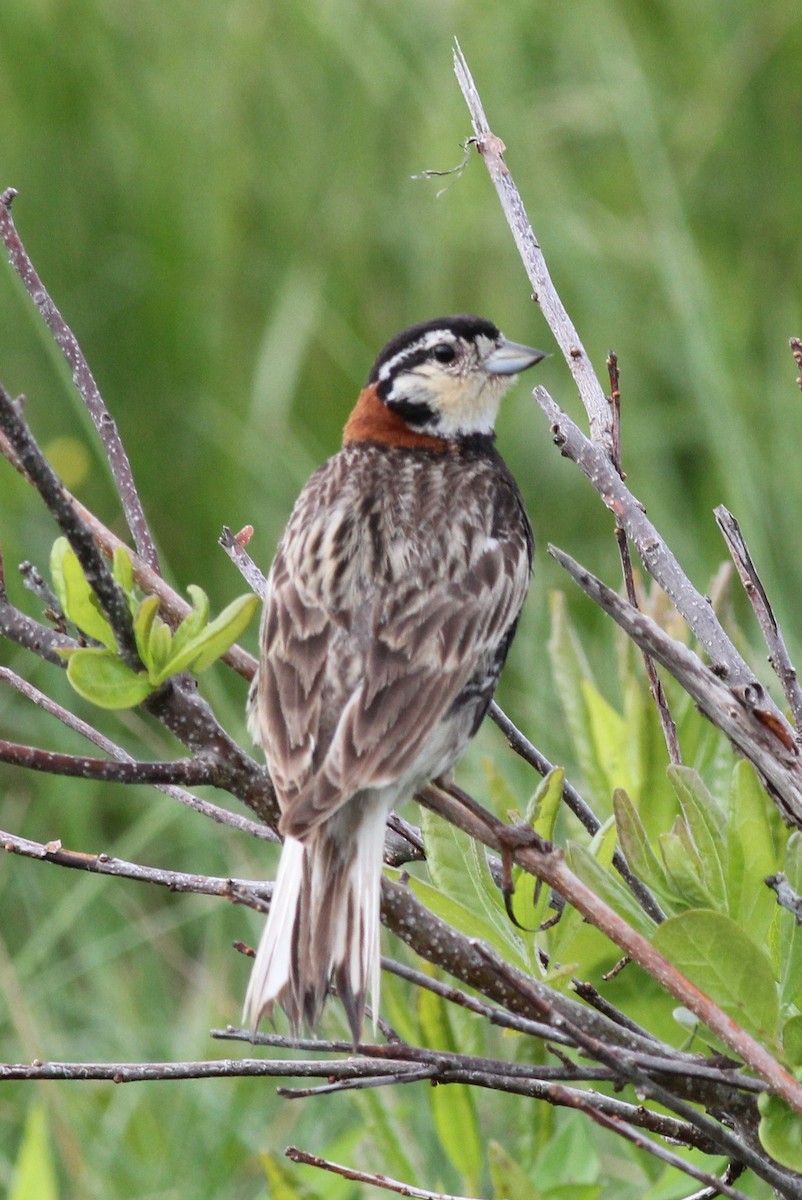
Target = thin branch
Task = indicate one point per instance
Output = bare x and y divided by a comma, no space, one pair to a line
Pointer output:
655,685
84,381
779,657
657,558
250,572
719,1186
492,149
746,715
381,1181
250,892
220,815
786,896
646,1085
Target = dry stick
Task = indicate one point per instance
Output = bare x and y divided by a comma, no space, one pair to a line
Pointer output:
250,892
717,1186
491,148
248,569
655,685
547,863
595,457
778,652
220,815
84,381
449,1061
745,715
656,556
381,1181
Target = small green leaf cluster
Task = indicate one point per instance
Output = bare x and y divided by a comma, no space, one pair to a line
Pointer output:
98,673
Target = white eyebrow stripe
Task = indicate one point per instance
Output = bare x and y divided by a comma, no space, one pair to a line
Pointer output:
433,338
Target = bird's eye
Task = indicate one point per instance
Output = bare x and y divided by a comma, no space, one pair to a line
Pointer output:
444,352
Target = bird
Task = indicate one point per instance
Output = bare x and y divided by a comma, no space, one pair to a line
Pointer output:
389,609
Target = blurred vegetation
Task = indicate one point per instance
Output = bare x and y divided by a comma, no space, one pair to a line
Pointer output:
220,198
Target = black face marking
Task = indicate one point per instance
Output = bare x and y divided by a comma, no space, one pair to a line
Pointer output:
464,325
414,413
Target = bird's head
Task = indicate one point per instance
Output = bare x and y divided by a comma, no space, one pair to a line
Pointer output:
440,381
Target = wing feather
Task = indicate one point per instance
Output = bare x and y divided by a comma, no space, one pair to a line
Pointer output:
368,641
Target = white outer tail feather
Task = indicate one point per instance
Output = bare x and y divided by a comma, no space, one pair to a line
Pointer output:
304,879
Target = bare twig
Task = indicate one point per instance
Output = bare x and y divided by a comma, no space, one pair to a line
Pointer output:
786,896
221,815
655,686
84,382
628,1069
491,148
381,1181
250,572
717,1186
746,715
249,892
657,558
779,657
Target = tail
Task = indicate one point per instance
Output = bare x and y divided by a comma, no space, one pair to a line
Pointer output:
323,925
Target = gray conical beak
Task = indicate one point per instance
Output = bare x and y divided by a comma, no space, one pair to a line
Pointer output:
508,358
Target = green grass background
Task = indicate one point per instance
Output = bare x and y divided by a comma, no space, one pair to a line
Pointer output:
220,198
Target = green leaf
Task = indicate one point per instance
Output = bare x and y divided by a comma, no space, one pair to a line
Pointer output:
508,1177
530,902
609,886
466,920
706,823
34,1175
569,1159
102,677
726,964
220,634
751,853
792,1040
453,1107
143,622
458,867
571,671
780,1131
612,742
790,932
194,622
636,846
682,869
122,568
76,597
158,650
544,807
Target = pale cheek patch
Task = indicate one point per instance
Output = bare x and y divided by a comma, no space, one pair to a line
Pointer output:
465,404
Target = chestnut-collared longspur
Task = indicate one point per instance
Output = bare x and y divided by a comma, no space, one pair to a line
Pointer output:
389,609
